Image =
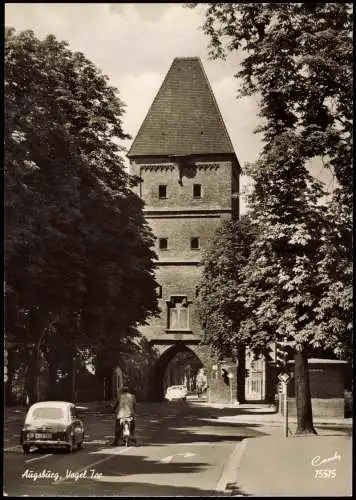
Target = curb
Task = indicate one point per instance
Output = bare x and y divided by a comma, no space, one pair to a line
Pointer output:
278,423
229,475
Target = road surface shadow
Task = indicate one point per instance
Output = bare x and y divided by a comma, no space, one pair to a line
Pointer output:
190,426
127,489
185,424
131,489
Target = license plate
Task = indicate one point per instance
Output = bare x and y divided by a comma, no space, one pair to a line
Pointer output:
43,436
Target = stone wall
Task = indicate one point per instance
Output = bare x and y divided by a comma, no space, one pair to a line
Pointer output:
327,386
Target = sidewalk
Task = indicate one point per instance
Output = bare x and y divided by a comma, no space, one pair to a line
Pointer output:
266,415
296,466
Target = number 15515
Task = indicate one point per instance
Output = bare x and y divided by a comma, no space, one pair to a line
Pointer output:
325,474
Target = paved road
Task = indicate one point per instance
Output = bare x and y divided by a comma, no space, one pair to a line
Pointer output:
180,452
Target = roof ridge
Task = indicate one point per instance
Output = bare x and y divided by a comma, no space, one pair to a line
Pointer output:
187,58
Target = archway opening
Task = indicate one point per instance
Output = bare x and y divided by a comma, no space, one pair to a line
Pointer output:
178,365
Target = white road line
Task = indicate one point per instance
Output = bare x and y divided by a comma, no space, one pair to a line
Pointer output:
96,441
229,473
38,458
90,466
201,443
16,447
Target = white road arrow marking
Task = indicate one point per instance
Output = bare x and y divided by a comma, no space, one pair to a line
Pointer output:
167,460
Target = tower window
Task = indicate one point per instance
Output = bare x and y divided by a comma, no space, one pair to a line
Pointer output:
194,243
178,313
163,243
162,191
196,190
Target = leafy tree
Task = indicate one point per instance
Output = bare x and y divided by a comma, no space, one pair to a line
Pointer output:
221,305
218,303
296,284
335,307
281,282
78,251
297,59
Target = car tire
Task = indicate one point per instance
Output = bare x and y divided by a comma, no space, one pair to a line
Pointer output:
26,448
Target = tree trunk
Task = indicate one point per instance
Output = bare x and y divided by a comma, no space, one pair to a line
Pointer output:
52,358
241,375
302,394
9,399
30,384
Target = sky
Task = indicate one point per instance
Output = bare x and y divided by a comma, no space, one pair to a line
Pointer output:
134,44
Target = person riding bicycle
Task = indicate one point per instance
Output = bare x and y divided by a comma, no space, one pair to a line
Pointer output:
125,407
201,382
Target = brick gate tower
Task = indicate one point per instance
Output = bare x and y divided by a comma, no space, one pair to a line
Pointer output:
189,181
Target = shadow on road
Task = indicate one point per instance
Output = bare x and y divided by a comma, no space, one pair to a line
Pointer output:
132,489
190,426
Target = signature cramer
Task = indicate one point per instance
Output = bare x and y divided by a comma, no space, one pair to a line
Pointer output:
317,460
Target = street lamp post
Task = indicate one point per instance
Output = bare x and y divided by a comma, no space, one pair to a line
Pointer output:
213,373
230,377
74,377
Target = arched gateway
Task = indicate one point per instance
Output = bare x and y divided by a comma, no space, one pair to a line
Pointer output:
189,181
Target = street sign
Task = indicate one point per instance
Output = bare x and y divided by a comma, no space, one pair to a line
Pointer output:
230,375
284,378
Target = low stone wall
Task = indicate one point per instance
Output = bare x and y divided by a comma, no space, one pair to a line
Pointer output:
322,407
327,386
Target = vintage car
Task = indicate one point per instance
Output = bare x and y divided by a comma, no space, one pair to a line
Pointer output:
52,424
178,392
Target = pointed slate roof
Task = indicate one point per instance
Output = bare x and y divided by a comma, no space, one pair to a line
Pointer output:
184,118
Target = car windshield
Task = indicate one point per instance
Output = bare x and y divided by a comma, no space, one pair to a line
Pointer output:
47,413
